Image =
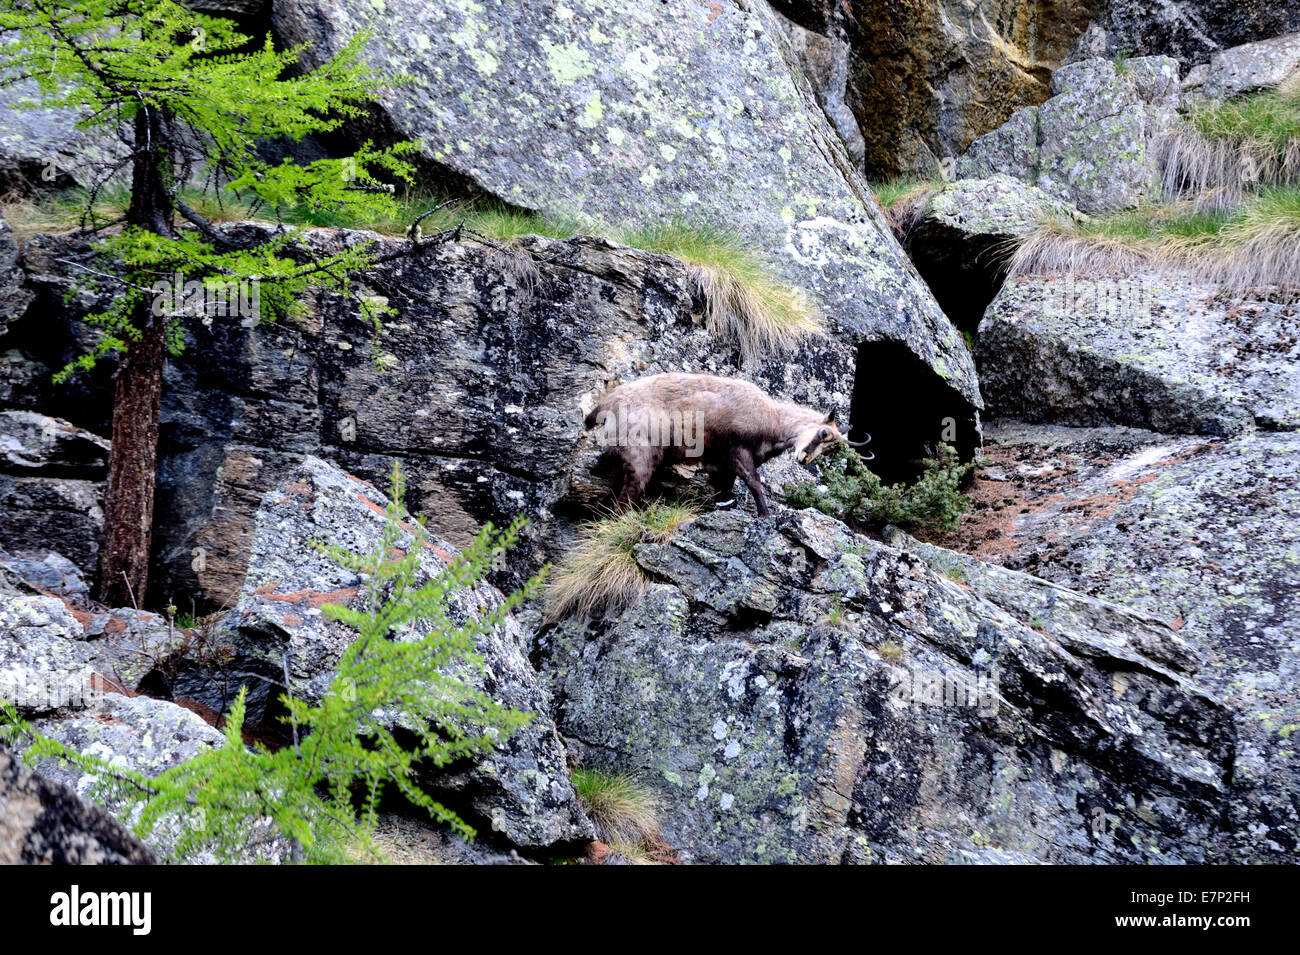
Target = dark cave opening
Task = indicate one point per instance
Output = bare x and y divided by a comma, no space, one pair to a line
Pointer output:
908,410
963,276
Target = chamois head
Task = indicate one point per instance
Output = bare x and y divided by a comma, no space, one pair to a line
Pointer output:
813,439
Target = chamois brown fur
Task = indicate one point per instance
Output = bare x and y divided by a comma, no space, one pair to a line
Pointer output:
728,426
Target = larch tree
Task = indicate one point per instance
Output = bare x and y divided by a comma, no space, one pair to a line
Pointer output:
187,99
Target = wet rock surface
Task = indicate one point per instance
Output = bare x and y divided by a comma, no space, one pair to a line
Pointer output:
1191,31
492,364
51,488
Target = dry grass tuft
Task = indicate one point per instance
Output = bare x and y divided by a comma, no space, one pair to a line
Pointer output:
1224,151
1061,245
904,201
1232,212
745,304
1254,248
1220,173
600,574
1260,247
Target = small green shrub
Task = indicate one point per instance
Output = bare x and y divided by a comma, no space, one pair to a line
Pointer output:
850,491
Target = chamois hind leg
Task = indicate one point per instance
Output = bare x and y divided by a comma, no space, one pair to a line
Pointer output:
743,462
722,478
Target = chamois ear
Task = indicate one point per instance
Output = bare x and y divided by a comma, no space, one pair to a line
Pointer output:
830,418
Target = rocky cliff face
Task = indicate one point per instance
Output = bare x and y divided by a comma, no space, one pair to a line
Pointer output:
1092,143
1191,31
930,76
799,694
80,673
1097,666
51,495
1151,350
1200,532
493,363
640,113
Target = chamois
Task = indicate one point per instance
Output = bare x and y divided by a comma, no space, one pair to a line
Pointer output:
727,425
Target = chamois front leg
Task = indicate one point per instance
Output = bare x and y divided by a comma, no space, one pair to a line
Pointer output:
638,468
743,463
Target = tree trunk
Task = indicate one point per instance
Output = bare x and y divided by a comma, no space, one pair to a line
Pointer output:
137,399
132,464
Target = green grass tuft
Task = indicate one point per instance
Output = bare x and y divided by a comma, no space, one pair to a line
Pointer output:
1222,153
745,304
600,574
904,190
1270,117
625,813
904,201
1254,247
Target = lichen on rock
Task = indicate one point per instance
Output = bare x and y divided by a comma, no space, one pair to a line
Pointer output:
798,693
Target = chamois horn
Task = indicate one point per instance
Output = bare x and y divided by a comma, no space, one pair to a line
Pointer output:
869,456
